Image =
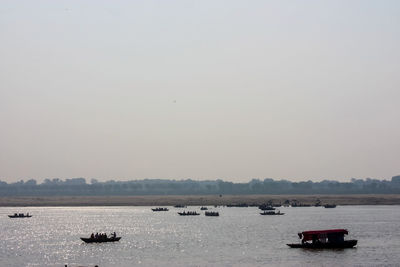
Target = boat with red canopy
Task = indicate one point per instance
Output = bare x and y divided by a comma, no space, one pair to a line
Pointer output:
333,238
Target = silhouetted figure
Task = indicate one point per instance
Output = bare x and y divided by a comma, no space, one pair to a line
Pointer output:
314,239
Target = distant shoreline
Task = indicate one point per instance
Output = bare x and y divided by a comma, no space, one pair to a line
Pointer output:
195,200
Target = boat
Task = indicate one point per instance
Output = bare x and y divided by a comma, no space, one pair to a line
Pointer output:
330,206
266,207
188,213
20,215
100,239
333,238
272,213
211,213
159,209
203,208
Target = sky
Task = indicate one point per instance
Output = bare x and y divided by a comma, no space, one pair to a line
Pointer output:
232,90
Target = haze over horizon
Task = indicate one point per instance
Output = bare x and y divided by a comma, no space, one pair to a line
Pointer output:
230,90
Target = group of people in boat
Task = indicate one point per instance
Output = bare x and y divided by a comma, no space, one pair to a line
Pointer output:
102,236
322,239
160,209
332,238
19,215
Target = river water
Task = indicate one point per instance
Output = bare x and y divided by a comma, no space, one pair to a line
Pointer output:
238,237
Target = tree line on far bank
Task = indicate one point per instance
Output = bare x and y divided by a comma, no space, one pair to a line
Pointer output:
79,187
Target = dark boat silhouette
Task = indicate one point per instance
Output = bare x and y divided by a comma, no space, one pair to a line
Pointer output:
160,209
330,206
272,213
188,213
100,240
212,213
20,215
333,238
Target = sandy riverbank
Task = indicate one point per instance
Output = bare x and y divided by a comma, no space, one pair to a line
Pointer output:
195,200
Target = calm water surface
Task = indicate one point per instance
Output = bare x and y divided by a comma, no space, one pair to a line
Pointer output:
238,237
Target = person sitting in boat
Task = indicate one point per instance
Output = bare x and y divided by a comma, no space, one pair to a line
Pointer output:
92,236
96,235
314,239
114,235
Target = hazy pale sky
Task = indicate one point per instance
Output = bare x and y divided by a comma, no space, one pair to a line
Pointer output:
234,90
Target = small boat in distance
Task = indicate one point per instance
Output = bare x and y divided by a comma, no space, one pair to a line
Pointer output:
108,239
330,206
211,213
333,238
160,209
101,238
188,213
20,215
203,208
272,213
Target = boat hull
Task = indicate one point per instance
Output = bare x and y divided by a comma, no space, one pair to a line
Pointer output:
12,216
94,240
345,244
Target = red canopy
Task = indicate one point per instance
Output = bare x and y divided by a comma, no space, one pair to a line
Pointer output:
308,235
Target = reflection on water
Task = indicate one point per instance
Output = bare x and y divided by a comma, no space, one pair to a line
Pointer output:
238,237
